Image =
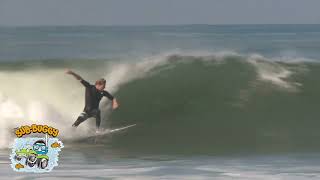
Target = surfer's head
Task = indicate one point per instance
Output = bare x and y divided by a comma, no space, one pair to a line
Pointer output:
100,84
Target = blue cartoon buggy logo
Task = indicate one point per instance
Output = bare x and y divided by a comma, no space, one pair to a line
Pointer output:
35,154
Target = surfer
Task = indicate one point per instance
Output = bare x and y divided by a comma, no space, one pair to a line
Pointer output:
93,95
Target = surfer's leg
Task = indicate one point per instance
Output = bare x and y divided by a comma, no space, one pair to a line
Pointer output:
96,114
83,116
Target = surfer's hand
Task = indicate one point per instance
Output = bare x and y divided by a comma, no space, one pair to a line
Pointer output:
68,71
115,104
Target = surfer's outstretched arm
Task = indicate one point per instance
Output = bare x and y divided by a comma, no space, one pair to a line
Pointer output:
78,77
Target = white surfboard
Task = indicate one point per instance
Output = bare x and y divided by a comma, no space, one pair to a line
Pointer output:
110,131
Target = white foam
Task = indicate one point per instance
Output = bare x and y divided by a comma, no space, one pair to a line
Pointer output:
272,72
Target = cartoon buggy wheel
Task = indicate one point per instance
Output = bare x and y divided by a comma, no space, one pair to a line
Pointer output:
43,163
31,160
18,158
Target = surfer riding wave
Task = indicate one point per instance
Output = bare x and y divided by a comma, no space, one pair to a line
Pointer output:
93,95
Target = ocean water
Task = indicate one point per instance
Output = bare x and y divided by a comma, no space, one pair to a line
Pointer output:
209,102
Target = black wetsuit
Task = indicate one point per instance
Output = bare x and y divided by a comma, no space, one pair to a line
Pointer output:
92,100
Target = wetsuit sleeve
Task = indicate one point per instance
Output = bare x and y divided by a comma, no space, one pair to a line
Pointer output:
85,83
108,95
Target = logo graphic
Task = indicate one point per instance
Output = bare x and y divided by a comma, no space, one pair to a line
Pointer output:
35,154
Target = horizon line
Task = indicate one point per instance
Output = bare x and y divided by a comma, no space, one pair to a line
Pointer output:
152,25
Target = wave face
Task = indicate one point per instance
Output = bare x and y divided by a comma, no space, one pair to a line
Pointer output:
181,103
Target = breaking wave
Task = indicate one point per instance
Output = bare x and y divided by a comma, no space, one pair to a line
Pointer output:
180,102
